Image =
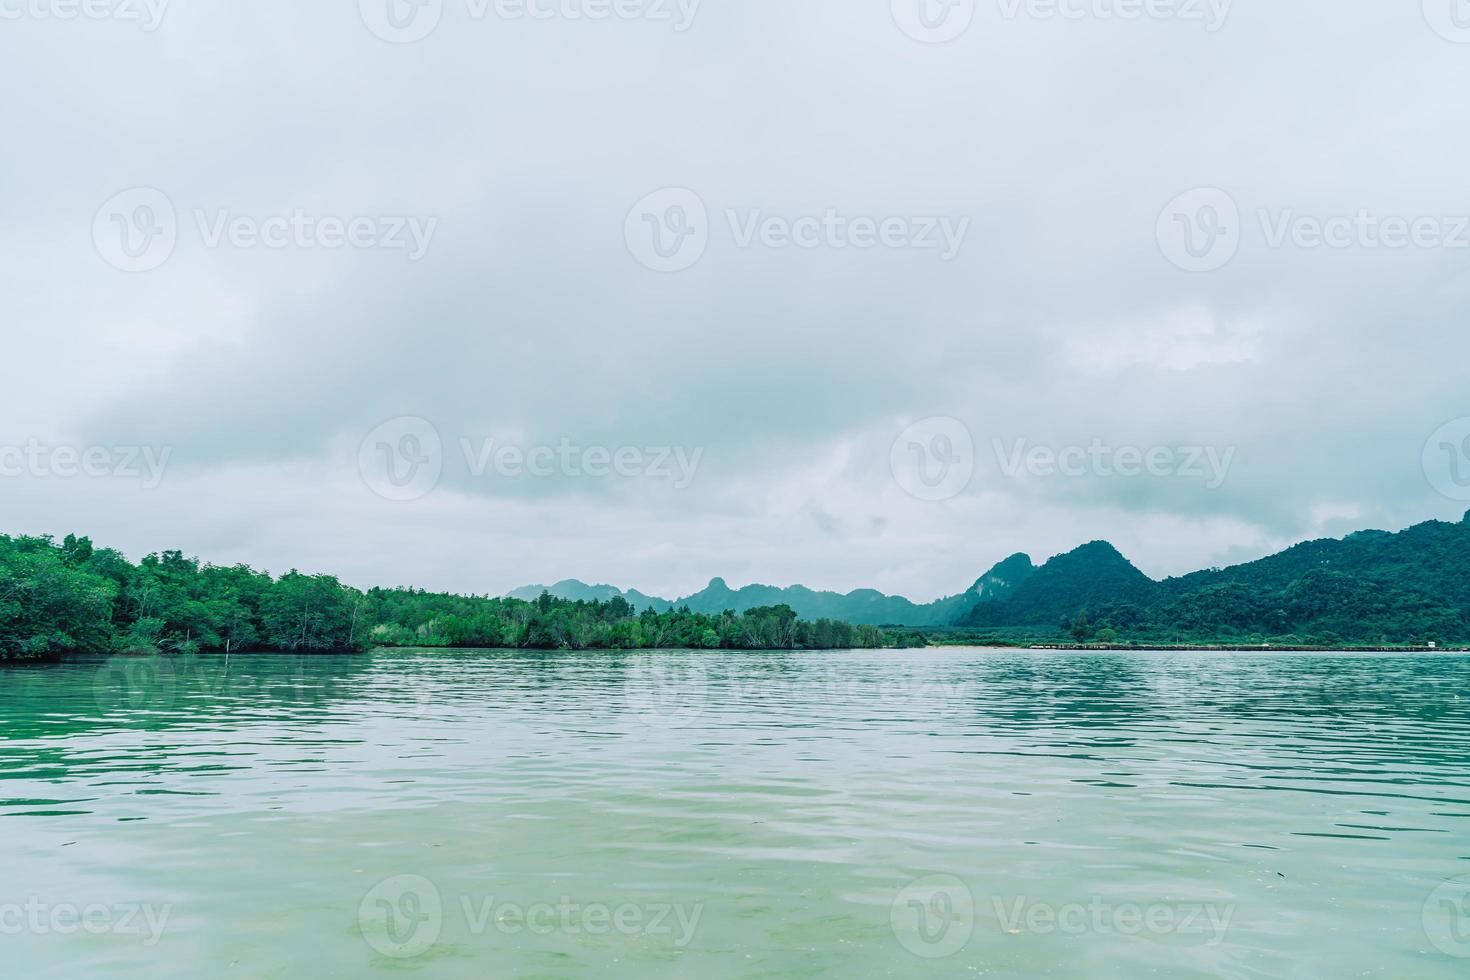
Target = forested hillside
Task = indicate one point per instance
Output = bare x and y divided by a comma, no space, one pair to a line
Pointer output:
1371,587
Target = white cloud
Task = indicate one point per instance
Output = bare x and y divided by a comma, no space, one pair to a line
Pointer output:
1179,340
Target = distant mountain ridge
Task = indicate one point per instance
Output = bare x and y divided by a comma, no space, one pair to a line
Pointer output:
1370,586
864,607
581,591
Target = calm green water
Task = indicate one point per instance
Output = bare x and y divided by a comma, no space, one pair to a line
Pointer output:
855,814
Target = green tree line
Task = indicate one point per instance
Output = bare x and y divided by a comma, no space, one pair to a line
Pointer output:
75,598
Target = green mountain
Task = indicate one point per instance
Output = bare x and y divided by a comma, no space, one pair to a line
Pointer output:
1084,577
1002,580
865,606
582,592
1371,587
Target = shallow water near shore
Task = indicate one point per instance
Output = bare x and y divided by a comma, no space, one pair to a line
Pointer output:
947,812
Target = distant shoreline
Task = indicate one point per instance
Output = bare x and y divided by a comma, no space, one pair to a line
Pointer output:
1018,646
1243,648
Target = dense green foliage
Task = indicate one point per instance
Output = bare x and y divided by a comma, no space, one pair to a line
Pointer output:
412,618
1370,588
72,597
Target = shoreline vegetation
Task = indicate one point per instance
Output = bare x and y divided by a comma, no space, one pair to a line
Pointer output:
1371,591
72,597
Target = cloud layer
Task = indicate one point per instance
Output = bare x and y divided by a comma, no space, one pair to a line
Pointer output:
812,150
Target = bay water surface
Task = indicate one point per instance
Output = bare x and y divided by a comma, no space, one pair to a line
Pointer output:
944,812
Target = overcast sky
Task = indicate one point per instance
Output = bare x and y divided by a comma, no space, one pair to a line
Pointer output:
842,292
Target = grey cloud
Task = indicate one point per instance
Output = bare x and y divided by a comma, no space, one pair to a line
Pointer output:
528,320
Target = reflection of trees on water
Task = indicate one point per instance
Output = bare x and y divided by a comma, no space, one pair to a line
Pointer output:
99,694
87,714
